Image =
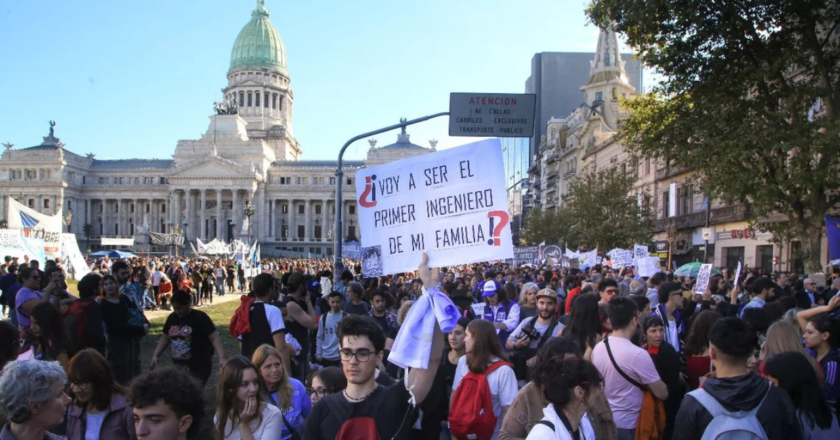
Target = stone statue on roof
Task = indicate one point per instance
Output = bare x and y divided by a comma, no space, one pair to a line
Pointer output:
52,128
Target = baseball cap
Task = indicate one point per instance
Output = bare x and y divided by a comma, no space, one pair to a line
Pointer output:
547,293
490,288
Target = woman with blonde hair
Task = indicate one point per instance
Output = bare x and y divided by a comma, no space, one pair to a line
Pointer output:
282,391
241,409
783,337
528,301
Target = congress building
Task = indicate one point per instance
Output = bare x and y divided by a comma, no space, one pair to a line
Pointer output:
248,154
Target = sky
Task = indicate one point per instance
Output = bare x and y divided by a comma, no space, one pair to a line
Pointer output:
129,79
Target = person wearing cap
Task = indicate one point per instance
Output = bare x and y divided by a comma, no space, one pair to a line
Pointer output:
502,312
522,341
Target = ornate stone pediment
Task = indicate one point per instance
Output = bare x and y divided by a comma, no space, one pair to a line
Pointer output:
214,167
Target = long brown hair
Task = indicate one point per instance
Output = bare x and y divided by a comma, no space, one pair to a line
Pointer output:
230,378
783,337
284,388
53,329
486,346
88,366
102,295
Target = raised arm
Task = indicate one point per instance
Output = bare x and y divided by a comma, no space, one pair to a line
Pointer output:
421,379
807,314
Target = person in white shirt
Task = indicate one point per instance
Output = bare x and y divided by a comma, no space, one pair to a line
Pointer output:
571,386
483,349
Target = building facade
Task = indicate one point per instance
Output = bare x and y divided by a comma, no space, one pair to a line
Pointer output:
248,154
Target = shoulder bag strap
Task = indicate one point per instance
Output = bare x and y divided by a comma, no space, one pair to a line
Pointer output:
548,332
289,428
618,369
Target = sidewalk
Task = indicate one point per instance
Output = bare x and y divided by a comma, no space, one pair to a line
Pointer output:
151,315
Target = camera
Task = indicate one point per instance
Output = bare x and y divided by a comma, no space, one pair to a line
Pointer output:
529,332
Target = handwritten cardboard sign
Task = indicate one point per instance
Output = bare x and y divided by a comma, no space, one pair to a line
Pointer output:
452,204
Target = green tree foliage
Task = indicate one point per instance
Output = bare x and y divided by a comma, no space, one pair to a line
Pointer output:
742,80
544,226
604,211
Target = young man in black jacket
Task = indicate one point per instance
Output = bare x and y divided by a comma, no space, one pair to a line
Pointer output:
736,389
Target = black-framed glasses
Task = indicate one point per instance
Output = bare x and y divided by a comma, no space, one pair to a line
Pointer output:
318,392
361,355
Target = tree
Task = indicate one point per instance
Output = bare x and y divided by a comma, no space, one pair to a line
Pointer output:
604,213
544,226
87,229
750,100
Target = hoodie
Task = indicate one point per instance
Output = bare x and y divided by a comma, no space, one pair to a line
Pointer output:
742,393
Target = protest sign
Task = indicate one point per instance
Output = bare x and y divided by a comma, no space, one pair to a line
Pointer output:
587,259
35,225
452,204
737,274
478,309
351,249
72,257
621,258
640,251
552,254
13,244
649,266
525,254
703,278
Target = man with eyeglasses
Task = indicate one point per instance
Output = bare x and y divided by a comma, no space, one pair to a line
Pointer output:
808,297
608,289
671,301
362,343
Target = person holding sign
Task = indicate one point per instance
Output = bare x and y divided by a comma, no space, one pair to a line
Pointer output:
502,312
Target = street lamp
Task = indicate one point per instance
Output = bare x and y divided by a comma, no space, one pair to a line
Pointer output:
671,230
248,211
171,231
185,223
68,217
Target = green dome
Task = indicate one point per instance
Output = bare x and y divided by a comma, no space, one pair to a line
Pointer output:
258,45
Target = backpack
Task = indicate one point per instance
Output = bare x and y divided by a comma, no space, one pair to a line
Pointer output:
471,414
728,425
359,423
84,327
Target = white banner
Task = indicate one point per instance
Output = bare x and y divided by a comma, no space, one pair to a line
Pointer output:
452,204
13,244
75,263
703,278
649,266
117,241
37,225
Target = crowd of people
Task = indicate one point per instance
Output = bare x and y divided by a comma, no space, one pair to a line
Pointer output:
507,352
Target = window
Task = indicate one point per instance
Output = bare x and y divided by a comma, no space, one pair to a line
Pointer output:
665,202
101,180
351,231
136,180
249,98
732,255
599,96
274,101
116,229
351,209
349,181
318,231
301,209
764,256
280,103
32,203
148,207
317,209
163,209
284,208
84,180
265,100
332,180
132,208
300,231
647,167
257,98
241,99
284,231
46,203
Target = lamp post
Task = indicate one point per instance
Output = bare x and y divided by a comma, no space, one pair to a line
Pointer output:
671,230
185,223
248,211
171,231
68,218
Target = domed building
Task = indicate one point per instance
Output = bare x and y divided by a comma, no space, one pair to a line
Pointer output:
248,154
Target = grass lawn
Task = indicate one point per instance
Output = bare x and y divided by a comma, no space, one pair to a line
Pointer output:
220,315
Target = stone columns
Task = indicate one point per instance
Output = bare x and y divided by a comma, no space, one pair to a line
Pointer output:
203,225
188,214
136,217
292,223
219,214
234,213
260,229
325,220
307,225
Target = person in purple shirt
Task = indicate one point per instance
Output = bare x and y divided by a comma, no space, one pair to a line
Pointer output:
282,391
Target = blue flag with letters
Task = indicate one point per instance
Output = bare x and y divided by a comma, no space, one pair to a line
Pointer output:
832,230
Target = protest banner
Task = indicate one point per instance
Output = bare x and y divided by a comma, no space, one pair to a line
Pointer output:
649,266
113,241
737,274
587,259
452,204
35,225
703,278
14,244
159,239
552,254
71,256
351,249
640,251
621,258
525,254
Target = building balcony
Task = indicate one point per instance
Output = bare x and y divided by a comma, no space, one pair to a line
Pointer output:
718,216
553,157
569,173
671,170
552,175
